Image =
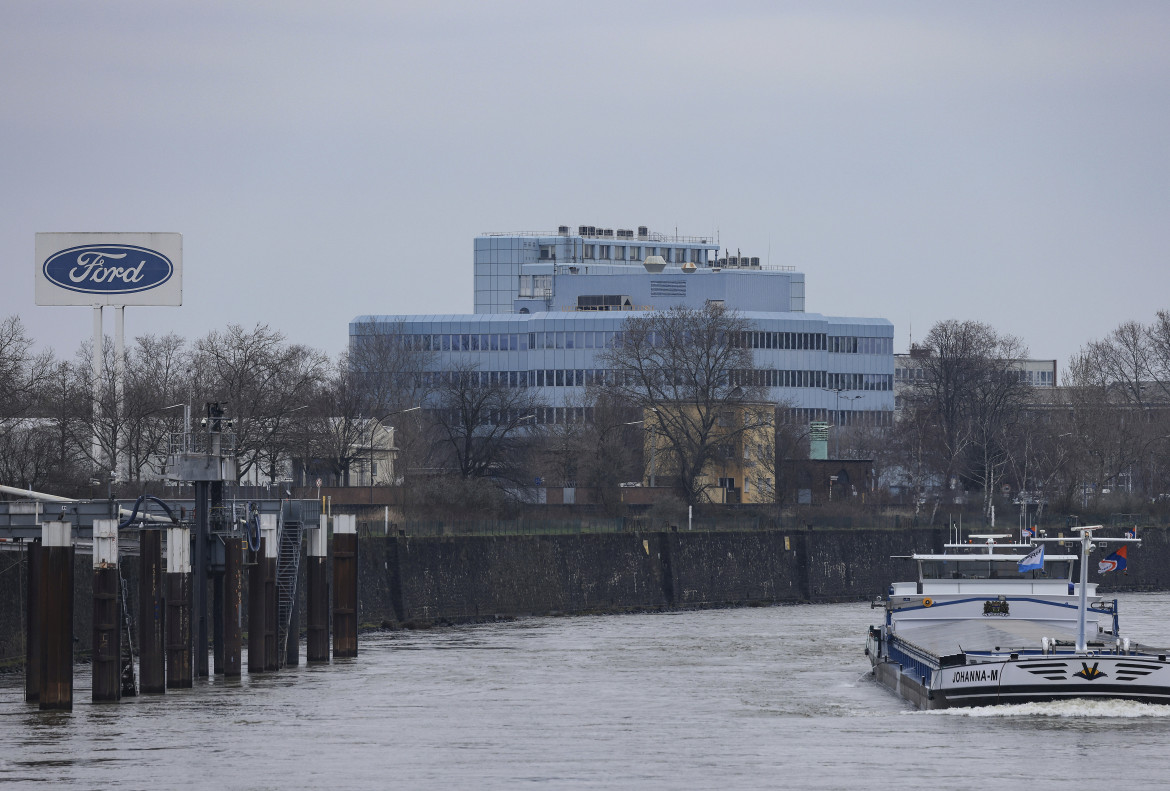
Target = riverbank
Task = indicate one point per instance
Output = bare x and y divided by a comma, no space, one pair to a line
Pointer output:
414,582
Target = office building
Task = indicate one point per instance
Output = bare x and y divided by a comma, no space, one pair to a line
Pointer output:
548,305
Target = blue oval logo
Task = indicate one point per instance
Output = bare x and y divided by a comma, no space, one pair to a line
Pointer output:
108,269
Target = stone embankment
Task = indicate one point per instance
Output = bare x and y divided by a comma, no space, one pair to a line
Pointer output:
415,582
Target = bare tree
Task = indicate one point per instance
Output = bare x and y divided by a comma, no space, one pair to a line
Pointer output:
336,424
393,372
688,371
264,380
158,384
483,428
963,406
597,448
24,375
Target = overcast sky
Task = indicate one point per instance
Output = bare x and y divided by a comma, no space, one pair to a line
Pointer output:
1006,162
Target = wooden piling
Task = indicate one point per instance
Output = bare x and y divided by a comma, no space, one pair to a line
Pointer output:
107,614
178,609
345,598
317,593
271,603
55,608
232,582
256,616
32,622
151,662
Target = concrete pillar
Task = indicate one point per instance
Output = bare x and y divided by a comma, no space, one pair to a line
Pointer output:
271,603
107,613
345,598
55,608
233,578
317,593
178,610
151,638
32,622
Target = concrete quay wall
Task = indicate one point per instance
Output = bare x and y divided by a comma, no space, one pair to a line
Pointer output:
422,580
416,581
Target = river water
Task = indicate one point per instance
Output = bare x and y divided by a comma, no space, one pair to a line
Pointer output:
775,697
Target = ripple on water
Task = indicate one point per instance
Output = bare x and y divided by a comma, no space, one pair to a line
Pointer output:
1081,707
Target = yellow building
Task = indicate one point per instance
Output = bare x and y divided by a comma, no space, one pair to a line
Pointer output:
738,444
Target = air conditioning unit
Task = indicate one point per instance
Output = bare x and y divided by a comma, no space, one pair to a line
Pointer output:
563,230
643,231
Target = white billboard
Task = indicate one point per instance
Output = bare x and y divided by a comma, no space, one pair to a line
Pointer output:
109,269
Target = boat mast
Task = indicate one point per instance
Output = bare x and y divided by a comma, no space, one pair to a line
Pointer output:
1083,604
1086,546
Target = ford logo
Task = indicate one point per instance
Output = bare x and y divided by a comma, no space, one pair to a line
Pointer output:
108,269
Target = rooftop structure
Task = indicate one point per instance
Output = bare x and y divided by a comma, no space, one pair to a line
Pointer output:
548,305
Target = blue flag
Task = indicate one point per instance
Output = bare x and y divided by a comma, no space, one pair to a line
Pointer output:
1033,560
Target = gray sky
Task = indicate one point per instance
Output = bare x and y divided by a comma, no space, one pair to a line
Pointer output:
1007,162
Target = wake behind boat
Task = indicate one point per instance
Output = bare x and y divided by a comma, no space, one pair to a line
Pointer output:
1001,623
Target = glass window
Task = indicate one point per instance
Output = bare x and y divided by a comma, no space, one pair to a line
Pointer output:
570,337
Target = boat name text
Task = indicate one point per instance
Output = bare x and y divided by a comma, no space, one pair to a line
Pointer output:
971,676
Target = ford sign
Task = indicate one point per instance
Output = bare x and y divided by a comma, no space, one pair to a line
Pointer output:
109,269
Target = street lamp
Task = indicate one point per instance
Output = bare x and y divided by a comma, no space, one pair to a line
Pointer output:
653,429
373,426
837,413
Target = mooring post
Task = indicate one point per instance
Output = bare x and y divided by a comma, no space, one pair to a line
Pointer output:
345,588
218,608
107,613
151,662
178,617
256,616
271,603
32,622
201,574
317,593
55,608
233,578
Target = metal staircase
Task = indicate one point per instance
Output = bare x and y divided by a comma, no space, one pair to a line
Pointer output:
290,530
